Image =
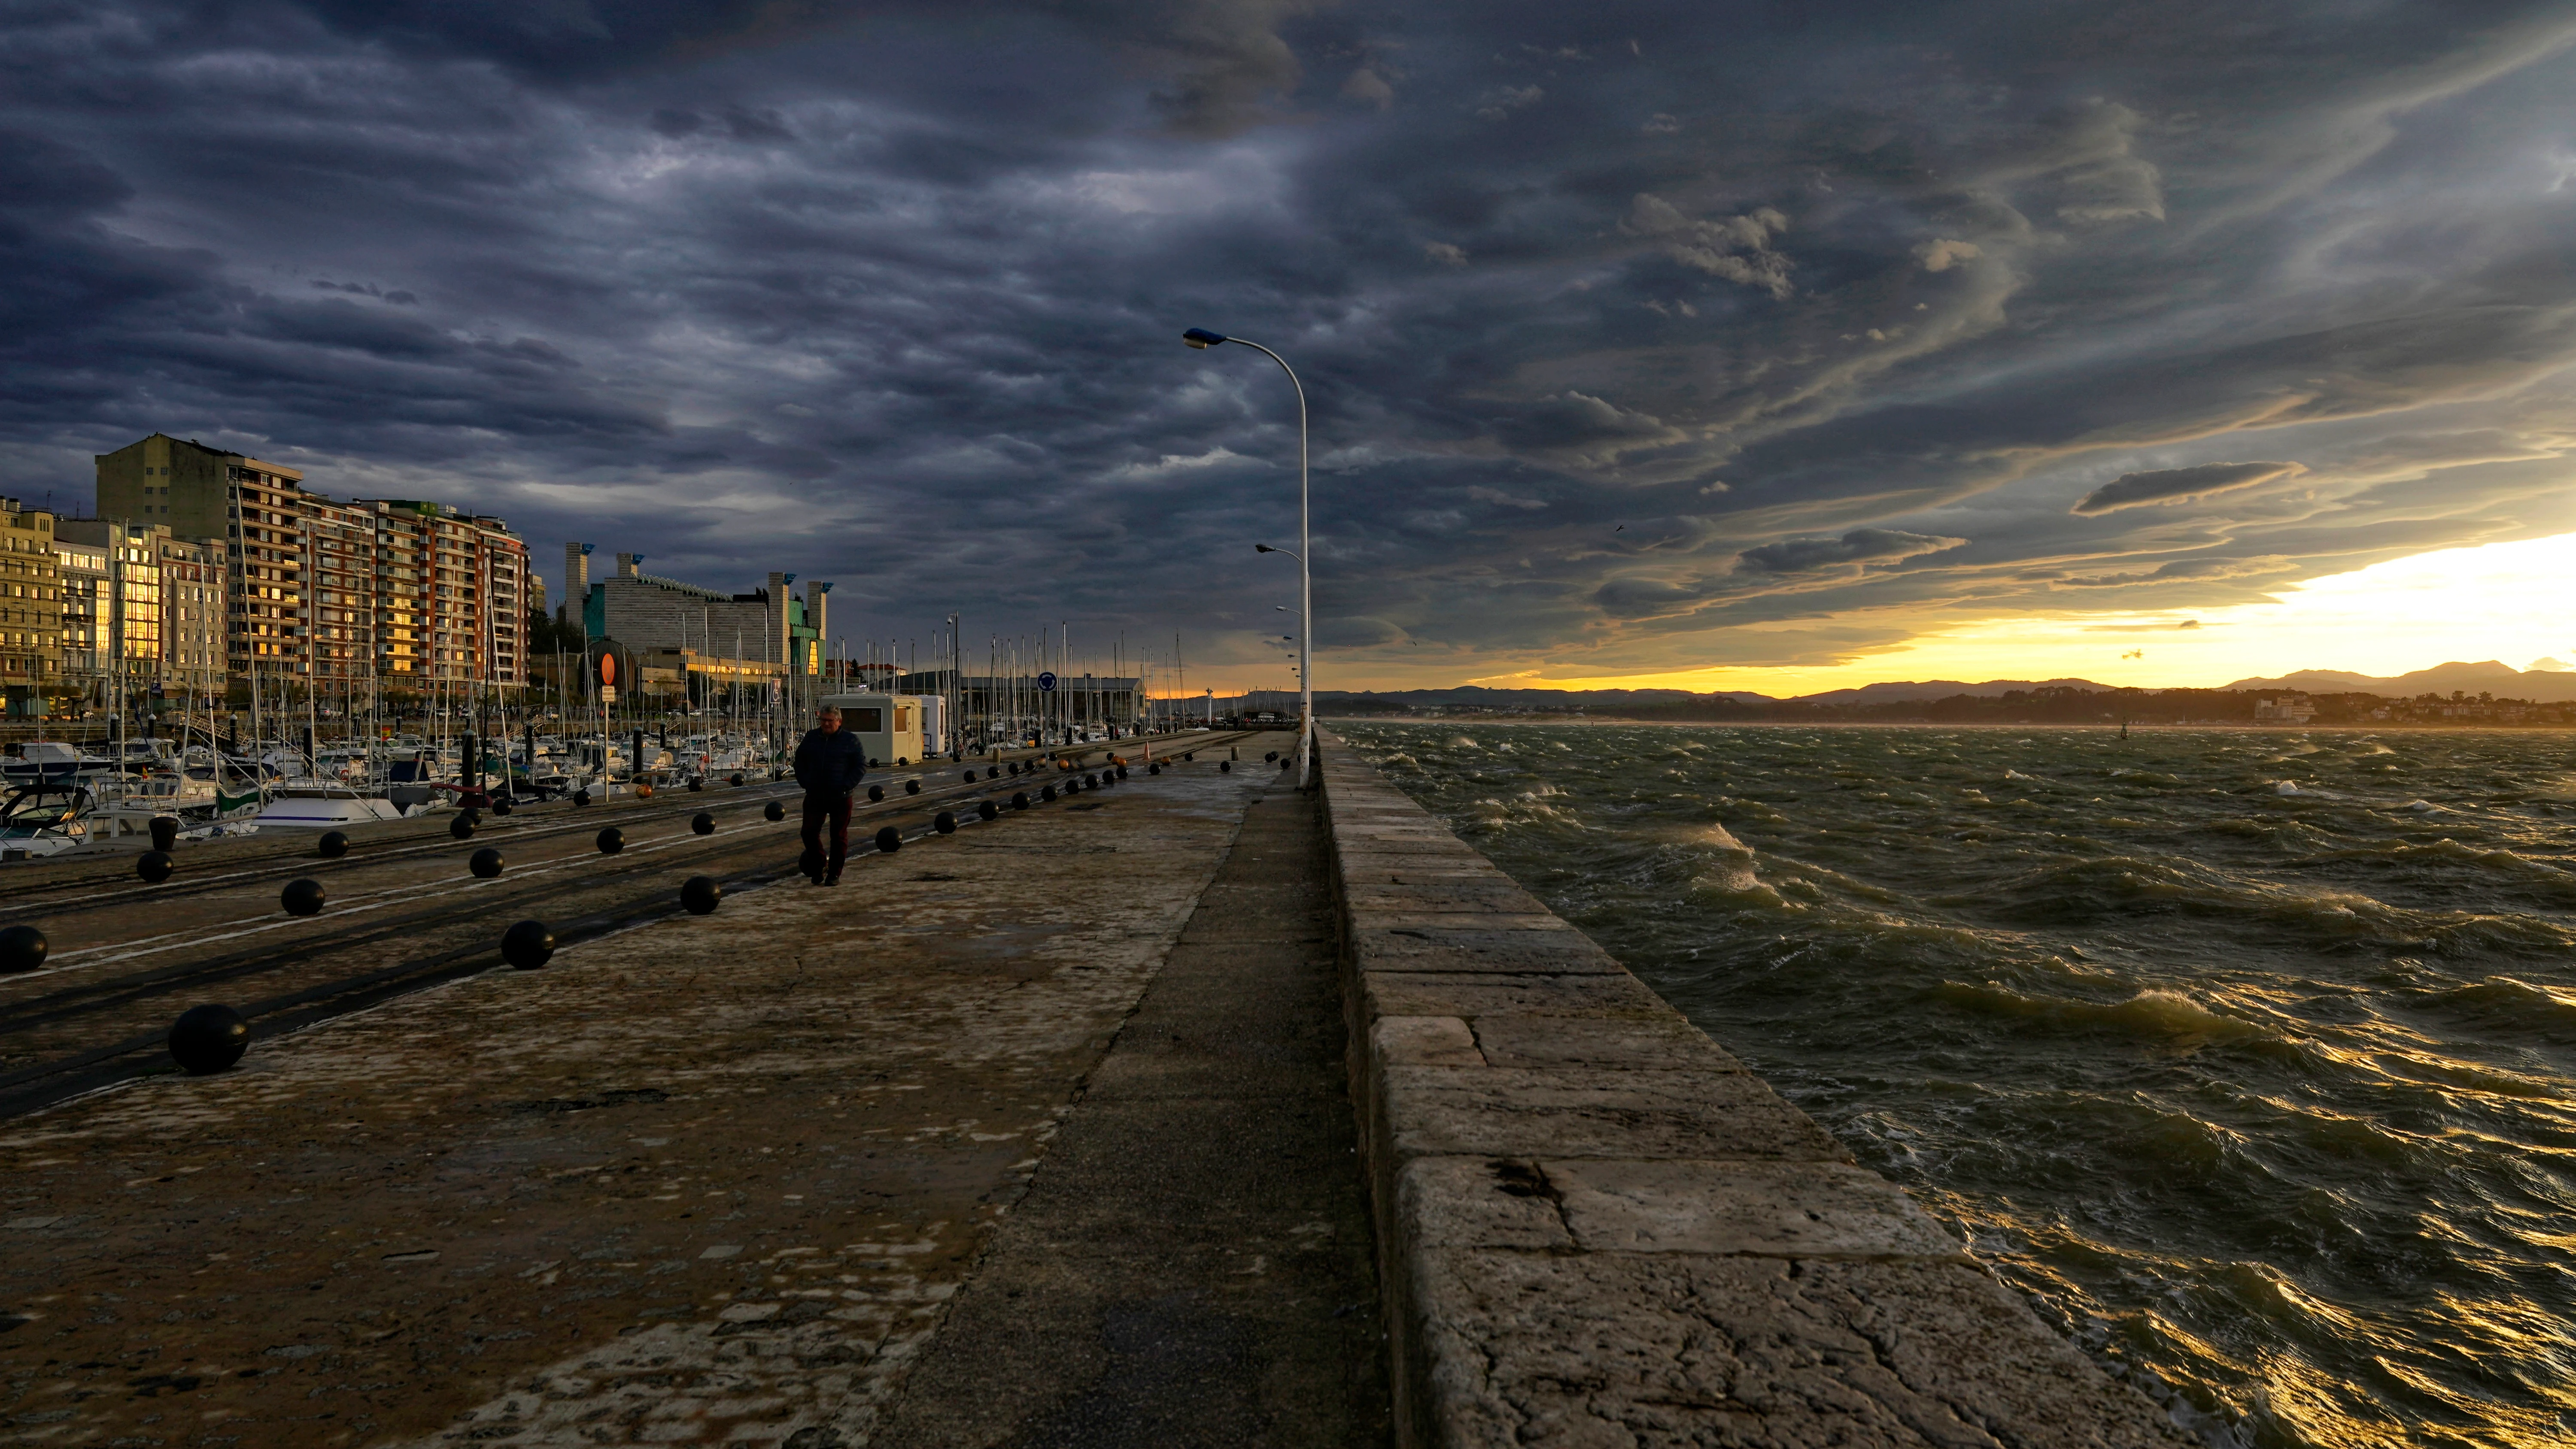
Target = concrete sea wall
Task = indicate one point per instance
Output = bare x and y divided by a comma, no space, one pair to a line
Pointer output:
1596,1227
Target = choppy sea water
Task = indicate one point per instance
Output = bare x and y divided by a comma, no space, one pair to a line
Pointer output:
2249,1055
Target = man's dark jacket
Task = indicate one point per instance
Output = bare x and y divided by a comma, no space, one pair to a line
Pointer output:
830,765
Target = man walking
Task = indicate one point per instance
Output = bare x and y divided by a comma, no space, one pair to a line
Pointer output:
829,764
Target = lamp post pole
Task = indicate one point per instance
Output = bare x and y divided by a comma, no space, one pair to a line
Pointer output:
1200,337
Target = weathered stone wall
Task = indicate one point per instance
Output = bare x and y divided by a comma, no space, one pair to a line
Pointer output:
1595,1227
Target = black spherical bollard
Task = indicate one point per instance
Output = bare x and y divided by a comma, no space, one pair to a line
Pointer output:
1091,782
700,894
987,810
702,823
485,863
1019,799
302,897
462,827
697,782
970,777
501,805
1073,787
1015,767
528,945
737,777
944,823
912,787
153,866
22,948
1122,772
332,845
1274,754
611,840
165,833
774,811
889,840
1226,765
581,796
1046,792
207,1039
876,793
1153,769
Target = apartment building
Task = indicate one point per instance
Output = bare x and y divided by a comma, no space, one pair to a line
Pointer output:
142,610
31,606
398,589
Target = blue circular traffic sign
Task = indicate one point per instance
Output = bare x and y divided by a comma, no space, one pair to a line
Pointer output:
1046,679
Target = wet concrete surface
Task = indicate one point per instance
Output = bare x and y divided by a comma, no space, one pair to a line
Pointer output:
712,1180
1192,1265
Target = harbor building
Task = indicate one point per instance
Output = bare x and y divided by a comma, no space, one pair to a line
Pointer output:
700,638
403,590
31,606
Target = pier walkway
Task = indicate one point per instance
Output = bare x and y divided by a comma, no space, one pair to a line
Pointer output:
1185,1110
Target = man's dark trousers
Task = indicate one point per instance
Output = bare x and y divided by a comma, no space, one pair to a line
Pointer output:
837,809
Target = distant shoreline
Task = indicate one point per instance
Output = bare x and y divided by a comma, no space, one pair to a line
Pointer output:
2135,726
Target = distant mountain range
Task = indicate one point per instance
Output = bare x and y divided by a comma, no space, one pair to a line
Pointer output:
2488,676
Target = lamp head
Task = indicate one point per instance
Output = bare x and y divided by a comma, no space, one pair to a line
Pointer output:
1263,548
1202,338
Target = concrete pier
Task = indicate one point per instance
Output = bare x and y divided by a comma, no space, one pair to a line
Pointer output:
1186,1110
1596,1227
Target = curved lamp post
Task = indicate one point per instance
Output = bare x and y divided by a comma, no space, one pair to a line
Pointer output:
1202,338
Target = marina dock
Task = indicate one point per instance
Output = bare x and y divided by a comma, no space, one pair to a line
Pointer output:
1185,1108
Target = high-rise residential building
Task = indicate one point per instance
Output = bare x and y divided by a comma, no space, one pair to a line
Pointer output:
89,612
324,590
143,611
451,594
31,606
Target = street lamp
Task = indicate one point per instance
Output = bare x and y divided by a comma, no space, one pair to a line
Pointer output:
1201,338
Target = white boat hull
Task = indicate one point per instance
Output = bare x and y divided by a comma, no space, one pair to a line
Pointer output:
325,812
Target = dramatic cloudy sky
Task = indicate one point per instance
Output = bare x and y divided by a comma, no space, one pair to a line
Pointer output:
1724,341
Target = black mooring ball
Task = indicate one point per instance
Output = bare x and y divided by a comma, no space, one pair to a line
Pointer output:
581,796
970,777
775,811
1091,782
611,840
1046,792
700,894
737,777
1122,772
22,948
501,805
302,897
1073,787
1015,767
528,945
208,1039
1226,765
333,845
1274,754
876,793
988,810
912,787
1191,755
1153,769
889,839
702,823
485,863
697,782
944,823
462,827
153,866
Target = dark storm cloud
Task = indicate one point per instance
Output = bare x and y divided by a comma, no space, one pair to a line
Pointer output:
2180,485
1621,324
